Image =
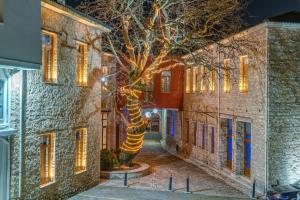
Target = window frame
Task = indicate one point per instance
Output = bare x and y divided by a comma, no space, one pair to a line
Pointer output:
244,74
52,168
52,78
188,80
82,70
81,151
203,79
4,123
195,79
104,130
212,80
227,76
165,81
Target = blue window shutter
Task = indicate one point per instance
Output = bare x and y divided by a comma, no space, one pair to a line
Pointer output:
247,142
229,144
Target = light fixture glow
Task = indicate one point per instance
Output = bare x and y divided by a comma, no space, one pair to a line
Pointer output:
155,111
148,114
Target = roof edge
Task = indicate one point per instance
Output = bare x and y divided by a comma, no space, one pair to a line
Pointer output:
75,14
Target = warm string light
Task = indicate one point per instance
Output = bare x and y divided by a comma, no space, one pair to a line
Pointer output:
135,132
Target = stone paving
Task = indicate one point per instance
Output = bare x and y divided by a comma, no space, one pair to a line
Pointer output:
117,193
164,164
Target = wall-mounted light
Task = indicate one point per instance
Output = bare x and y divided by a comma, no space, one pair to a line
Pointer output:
155,111
103,79
148,114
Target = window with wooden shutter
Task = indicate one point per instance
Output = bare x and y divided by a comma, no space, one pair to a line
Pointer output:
188,80
82,64
81,148
212,80
49,57
47,158
203,79
227,82
244,74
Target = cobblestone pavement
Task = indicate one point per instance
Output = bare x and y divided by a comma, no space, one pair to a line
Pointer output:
117,193
164,164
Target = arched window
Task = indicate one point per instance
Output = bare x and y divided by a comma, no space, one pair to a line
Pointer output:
165,81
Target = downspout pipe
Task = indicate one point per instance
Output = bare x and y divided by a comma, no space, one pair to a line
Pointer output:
23,90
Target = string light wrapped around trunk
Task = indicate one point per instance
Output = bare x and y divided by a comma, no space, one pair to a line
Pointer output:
136,128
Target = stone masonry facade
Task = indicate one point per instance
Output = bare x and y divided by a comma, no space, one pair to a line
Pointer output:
270,107
60,108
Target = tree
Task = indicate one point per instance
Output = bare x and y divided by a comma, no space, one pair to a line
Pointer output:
148,33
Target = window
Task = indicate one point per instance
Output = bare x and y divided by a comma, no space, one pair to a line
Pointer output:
165,81
81,64
81,146
187,80
3,99
195,133
226,75
104,78
171,123
104,130
212,140
203,136
187,132
1,10
212,80
47,158
243,74
49,57
203,79
195,79
148,94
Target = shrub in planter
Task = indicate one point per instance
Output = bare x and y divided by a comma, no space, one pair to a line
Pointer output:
109,160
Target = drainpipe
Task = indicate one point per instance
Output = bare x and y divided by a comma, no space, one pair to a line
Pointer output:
219,104
21,127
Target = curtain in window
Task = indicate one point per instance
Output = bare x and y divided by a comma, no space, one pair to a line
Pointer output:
4,155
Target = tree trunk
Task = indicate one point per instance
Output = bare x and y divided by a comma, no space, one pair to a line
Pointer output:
135,130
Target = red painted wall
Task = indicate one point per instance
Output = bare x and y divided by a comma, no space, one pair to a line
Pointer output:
174,99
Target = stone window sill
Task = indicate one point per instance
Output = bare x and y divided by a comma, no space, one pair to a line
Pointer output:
47,184
80,172
6,131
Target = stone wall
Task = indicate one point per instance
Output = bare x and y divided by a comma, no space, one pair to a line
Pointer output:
61,108
284,103
210,107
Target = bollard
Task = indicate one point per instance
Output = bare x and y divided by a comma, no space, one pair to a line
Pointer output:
253,189
125,179
188,184
170,183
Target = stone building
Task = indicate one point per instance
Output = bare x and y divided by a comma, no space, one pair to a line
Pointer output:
241,109
55,109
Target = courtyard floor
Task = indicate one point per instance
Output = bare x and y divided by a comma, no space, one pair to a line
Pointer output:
164,164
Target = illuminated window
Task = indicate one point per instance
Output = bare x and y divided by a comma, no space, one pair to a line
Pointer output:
1,10
212,80
105,81
226,75
81,64
165,81
104,130
47,158
49,57
244,74
203,79
188,80
195,79
81,145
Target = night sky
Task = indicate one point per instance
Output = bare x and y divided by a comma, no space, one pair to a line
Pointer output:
258,9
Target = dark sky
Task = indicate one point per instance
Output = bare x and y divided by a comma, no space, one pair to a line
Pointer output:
258,9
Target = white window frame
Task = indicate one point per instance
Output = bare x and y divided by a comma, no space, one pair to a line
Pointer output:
6,103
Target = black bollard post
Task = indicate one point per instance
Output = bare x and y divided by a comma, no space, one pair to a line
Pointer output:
188,184
125,180
170,183
253,189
